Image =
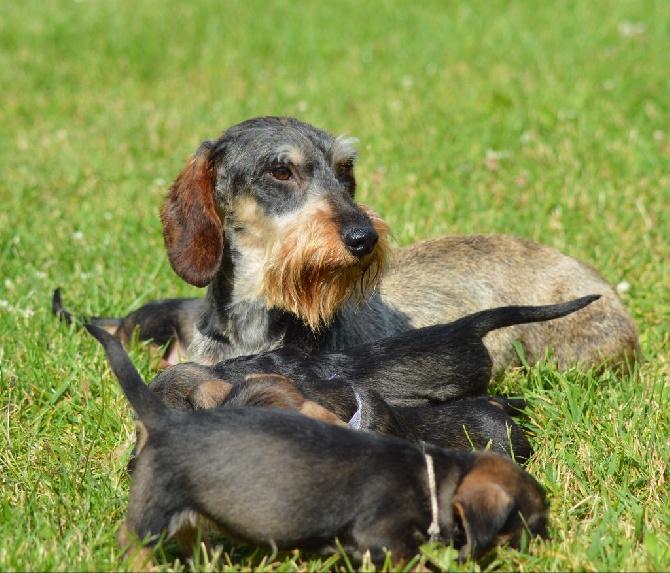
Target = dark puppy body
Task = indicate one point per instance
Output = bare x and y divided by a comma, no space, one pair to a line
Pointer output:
471,422
282,480
425,366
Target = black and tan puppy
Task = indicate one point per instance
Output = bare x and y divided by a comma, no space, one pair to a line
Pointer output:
165,322
430,365
472,422
282,480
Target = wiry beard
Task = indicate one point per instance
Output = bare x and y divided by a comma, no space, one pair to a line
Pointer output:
312,274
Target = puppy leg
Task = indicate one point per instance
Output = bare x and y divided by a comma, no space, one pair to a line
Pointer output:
391,532
190,539
139,557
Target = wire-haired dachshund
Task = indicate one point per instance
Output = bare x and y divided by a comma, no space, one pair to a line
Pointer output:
265,218
282,480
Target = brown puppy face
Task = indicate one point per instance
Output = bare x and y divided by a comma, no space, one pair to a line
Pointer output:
496,503
278,195
276,391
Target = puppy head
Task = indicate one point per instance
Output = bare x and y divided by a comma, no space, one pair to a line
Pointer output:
280,193
189,386
495,503
276,391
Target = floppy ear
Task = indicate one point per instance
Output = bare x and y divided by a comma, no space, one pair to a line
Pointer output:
192,229
483,508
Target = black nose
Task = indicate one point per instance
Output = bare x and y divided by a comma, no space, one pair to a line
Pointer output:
360,241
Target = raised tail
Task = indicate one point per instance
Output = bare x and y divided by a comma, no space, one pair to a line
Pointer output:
64,315
484,321
150,410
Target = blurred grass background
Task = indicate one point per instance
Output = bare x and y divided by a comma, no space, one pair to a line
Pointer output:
546,120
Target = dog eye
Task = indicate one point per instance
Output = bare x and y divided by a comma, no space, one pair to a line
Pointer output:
345,169
281,173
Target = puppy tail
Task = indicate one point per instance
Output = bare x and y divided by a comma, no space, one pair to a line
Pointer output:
485,321
64,315
150,410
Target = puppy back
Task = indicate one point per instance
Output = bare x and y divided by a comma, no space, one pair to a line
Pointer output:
150,410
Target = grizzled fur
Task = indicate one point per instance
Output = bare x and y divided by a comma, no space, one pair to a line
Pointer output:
282,480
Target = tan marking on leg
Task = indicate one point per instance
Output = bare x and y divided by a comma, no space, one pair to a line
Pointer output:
139,556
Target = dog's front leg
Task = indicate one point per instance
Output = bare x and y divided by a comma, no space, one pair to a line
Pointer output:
190,539
137,556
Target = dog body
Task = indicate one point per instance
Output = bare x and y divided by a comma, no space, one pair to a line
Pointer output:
477,272
408,385
265,217
443,279
433,364
467,423
168,323
280,479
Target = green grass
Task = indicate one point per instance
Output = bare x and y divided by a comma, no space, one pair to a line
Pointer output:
548,120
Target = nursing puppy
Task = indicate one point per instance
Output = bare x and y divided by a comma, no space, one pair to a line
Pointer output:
165,322
472,422
418,367
284,481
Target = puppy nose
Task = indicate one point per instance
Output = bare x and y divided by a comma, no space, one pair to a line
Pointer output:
360,241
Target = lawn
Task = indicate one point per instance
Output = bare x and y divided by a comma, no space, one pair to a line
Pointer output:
548,120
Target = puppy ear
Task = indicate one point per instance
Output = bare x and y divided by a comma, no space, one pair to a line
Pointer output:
192,229
209,394
483,508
